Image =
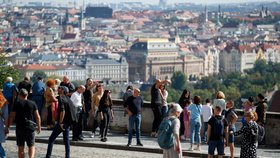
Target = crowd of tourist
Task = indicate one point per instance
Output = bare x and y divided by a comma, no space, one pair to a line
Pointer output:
89,106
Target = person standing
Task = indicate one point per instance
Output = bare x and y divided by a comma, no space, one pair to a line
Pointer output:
9,92
25,84
220,101
106,114
184,99
217,133
3,117
231,118
63,124
133,106
176,150
249,139
50,103
127,94
195,122
90,86
77,99
38,90
164,106
24,113
206,115
156,103
95,101
186,119
66,82
261,109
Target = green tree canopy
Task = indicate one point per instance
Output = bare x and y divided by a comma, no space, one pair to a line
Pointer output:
38,73
178,80
6,70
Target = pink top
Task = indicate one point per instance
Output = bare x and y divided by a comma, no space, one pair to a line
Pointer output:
186,116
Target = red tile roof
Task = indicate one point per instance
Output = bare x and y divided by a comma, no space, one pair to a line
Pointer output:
37,67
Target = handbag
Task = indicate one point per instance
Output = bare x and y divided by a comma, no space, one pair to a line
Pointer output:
30,125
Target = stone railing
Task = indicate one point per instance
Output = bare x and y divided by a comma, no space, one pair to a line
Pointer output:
120,122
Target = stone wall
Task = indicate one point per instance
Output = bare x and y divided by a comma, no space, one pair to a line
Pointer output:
120,122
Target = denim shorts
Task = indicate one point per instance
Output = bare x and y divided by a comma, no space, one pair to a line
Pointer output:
231,136
213,144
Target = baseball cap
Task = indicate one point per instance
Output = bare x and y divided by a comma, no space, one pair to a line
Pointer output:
65,89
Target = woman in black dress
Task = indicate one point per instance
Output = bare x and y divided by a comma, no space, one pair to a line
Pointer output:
250,137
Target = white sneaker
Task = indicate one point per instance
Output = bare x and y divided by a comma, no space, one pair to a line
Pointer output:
197,148
190,149
92,135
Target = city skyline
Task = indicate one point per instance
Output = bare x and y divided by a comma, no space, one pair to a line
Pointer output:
155,1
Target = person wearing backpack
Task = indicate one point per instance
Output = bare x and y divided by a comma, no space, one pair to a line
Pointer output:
169,133
65,120
250,136
217,134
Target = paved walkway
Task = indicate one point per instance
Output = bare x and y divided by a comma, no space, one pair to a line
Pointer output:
118,141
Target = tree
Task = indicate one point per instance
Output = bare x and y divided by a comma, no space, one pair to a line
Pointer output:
6,70
178,80
38,73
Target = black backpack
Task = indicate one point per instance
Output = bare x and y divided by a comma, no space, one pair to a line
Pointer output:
218,129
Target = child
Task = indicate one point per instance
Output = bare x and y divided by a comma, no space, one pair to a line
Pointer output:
186,119
217,132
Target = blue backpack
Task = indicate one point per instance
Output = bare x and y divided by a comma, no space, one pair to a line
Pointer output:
165,134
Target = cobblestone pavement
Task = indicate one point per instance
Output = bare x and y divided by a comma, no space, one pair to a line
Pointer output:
92,147
78,152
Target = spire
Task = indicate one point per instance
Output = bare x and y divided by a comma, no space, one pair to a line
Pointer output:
206,14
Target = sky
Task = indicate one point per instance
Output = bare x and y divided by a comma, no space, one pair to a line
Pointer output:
180,1
155,1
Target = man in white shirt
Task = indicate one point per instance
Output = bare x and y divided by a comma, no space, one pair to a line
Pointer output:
77,100
206,113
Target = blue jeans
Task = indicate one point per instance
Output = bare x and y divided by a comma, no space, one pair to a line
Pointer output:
195,126
56,131
39,100
164,111
137,120
2,151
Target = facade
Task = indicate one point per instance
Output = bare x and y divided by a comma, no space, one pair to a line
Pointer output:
158,58
107,70
237,58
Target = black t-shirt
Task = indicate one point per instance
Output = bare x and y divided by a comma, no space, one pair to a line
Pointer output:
69,85
25,85
156,98
63,105
24,109
134,104
87,94
218,125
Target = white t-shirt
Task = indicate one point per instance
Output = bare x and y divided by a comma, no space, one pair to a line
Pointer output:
206,112
77,99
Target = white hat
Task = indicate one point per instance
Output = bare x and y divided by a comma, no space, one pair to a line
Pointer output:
176,108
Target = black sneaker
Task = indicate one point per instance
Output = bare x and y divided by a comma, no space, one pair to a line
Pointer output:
80,138
103,140
128,144
139,144
74,139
